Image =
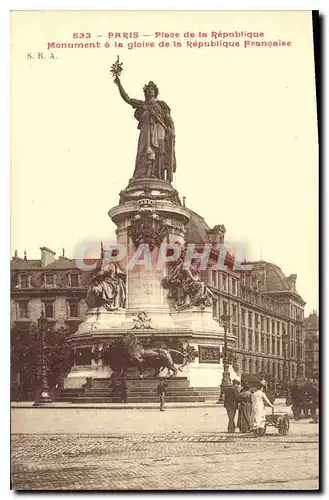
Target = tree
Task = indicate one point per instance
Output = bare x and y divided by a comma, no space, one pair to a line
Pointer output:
26,356
57,355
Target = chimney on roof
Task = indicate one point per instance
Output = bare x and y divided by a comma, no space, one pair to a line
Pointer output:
217,234
47,256
292,282
16,258
25,255
184,201
62,257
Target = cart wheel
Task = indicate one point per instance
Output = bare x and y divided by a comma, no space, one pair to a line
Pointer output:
284,426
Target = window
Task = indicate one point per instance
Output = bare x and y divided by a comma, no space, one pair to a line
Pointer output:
49,309
243,338
256,342
23,310
250,341
73,309
234,290
273,345
234,313
262,323
273,327
213,278
278,327
283,329
224,308
250,366
256,321
263,344
278,350
268,345
267,324
49,279
74,280
243,317
24,281
224,282
250,319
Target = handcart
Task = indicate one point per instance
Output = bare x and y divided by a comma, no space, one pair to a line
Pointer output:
278,420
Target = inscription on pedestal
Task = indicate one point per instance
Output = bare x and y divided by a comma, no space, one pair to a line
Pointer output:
144,289
209,354
144,283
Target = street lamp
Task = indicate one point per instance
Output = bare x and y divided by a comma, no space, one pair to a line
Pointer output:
300,363
226,380
44,395
285,339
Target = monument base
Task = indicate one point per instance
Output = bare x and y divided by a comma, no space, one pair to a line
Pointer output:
140,391
79,374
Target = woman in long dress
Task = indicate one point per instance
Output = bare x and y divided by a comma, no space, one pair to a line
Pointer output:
259,399
245,408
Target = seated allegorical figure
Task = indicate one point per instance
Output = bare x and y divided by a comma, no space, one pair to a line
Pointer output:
108,289
186,288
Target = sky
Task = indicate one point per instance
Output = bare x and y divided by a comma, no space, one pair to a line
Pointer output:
245,118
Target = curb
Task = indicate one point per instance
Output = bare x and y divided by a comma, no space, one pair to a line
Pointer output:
109,406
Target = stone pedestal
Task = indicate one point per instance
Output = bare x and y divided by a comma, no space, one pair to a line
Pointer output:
150,213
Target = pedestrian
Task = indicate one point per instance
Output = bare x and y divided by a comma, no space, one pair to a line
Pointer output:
162,394
314,392
123,390
231,403
258,408
245,408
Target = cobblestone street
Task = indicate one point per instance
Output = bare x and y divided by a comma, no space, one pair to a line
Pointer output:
180,449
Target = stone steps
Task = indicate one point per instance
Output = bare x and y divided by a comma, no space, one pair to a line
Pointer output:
139,399
150,393
181,382
139,391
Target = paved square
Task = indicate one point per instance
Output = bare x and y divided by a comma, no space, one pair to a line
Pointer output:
180,449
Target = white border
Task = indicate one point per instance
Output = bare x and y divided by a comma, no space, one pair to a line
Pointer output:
5,7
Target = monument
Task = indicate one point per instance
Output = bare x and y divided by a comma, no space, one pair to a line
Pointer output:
149,296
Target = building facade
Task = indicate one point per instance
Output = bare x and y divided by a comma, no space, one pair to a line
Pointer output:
266,312
55,287
312,340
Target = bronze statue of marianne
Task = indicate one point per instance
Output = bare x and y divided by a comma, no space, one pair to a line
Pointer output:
156,145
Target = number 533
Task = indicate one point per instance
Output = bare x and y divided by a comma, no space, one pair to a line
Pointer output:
81,35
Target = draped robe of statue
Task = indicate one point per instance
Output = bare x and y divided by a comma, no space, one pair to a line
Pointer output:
186,288
156,144
107,289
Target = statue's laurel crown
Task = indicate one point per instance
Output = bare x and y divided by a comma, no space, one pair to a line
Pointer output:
149,85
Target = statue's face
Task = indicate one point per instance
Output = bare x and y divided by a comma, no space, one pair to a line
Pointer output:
150,92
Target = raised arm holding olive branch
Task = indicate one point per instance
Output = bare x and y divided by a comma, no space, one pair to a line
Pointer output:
156,145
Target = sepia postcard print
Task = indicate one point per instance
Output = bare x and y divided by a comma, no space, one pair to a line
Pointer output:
164,251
